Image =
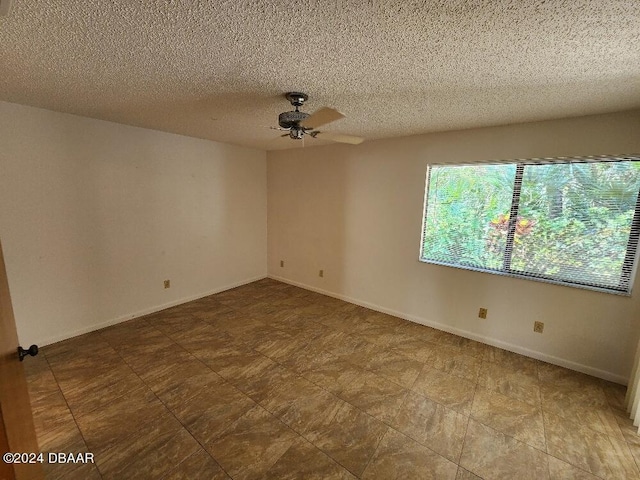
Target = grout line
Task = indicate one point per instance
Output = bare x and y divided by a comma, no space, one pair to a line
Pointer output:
97,468
466,429
165,406
376,449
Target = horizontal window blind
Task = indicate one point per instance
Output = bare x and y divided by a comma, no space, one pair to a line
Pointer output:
573,221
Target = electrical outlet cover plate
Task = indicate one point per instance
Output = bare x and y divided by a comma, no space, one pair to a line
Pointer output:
538,327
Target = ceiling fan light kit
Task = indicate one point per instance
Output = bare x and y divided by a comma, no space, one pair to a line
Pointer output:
300,123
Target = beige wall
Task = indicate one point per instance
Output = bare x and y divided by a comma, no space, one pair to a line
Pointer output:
95,215
356,212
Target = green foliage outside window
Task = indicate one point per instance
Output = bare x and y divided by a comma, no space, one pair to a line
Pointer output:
573,223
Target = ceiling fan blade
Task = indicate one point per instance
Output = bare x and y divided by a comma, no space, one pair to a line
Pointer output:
321,117
337,137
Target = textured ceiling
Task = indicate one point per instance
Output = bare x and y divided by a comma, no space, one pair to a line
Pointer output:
217,69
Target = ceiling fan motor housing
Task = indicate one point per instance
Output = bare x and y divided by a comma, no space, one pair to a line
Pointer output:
291,119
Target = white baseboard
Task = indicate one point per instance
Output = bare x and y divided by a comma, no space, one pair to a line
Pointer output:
595,372
141,313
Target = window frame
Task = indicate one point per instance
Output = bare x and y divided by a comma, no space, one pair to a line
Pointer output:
632,254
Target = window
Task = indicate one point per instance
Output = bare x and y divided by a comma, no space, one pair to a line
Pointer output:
572,221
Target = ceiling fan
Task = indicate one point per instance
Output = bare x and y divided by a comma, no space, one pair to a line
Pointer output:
298,124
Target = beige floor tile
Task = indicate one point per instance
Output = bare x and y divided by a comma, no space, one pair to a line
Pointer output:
631,435
105,427
615,395
451,360
140,345
276,388
304,461
163,374
361,357
398,456
239,301
279,345
450,391
209,349
415,348
211,411
350,346
466,475
604,456
250,333
252,445
200,336
216,315
328,341
421,333
494,455
334,374
262,309
180,393
132,333
517,419
198,466
588,395
394,367
149,451
285,317
157,356
375,395
600,419
74,443
177,312
350,438
312,412
304,330
471,347
520,363
87,393
559,470
384,319
313,311
380,335
253,374
40,379
563,376
199,305
88,364
227,318
69,471
233,363
511,381
433,425
88,344
54,424
305,357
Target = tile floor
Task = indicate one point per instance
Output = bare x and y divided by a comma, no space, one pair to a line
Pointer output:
273,381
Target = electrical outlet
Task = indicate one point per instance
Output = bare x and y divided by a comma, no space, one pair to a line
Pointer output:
167,284
282,263
538,327
482,313
321,274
